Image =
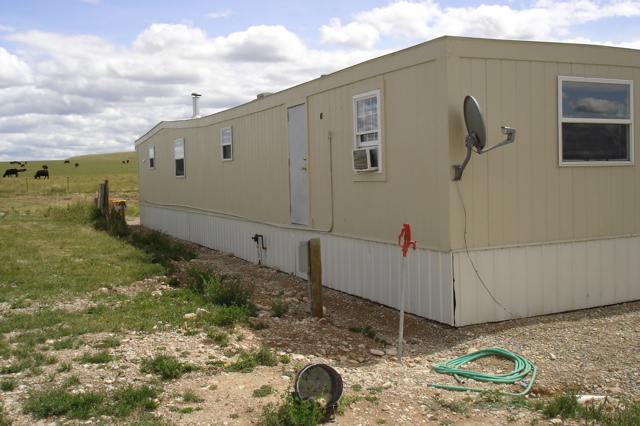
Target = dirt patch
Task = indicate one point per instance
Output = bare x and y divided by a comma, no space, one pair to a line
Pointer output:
593,350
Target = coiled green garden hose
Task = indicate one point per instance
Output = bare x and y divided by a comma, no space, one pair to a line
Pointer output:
521,369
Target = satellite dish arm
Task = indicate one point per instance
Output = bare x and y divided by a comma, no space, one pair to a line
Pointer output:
511,136
472,142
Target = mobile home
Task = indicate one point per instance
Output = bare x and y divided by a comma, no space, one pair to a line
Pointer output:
547,224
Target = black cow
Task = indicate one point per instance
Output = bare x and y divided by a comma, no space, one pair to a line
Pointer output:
42,173
77,164
66,162
10,172
45,167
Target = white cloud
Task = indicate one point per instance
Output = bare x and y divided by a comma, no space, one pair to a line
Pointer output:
13,70
409,20
224,14
355,34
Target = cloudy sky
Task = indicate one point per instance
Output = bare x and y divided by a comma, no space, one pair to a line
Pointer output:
91,76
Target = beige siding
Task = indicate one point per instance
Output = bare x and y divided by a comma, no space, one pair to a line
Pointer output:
519,194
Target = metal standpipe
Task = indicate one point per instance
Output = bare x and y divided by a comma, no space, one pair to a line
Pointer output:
406,233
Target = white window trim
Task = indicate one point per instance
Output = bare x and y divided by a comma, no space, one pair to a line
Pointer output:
152,157
176,158
222,144
368,144
356,98
562,120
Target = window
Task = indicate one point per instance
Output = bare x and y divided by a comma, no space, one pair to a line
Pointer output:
178,150
595,121
152,157
366,111
227,144
367,117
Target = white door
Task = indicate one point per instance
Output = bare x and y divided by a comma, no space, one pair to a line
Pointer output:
297,130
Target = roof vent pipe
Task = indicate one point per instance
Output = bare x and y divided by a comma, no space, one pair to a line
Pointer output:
196,104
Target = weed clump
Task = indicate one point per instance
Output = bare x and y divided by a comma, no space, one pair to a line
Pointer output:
53,402
368,331
111,222
168,367
219,289
160,247
292,412
249,360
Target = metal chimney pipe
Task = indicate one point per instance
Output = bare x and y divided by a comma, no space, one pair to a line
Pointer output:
196,104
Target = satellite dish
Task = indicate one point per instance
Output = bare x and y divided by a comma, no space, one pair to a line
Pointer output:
474,120
476,133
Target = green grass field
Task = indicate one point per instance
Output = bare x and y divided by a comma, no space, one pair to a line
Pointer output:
68,184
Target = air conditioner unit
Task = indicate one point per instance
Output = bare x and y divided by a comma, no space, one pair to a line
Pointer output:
365,159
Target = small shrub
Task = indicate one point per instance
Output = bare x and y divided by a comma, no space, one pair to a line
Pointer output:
368,331
60,402
248,360
160,247
279,309
130,398
110,222
285,359
265,390
221,338
68,343
64,367
229,315
292,412
101,357
109,342
168,367
190,396
8,385
70,382
563,405
121,403
259,325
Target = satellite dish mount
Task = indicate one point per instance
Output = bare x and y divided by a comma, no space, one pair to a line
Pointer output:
476,138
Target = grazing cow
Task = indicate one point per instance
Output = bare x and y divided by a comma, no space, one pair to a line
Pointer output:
42,173
66,162
45,167
77,164
10,172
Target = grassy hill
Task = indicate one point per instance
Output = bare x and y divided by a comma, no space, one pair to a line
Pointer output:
67,182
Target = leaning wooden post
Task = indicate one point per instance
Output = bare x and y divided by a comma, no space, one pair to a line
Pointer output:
105,200
315,275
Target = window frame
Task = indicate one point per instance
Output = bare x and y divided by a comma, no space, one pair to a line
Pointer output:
177,158
376,141
224,143
152,157
627,122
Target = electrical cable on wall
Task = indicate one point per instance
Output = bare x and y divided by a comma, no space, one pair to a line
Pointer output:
466,249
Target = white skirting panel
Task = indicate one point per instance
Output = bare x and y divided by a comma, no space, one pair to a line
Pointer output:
367,269
544,279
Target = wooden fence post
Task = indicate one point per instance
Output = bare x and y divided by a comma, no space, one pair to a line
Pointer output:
315,275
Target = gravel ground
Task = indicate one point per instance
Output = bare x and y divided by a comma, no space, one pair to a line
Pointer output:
593,350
